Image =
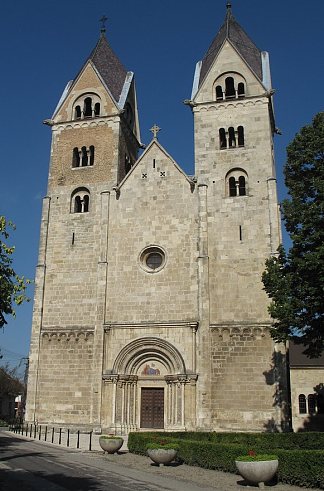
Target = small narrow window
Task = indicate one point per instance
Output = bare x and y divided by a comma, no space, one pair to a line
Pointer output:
84,158
91,151
219,93
302,404
240,89
87,110
222,138
77,112
76,157
231,137
241,183
311,399
127,164
77,205
97,109
232,186
229,88
240,136
85,203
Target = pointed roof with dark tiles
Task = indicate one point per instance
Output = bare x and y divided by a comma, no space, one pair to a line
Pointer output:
233,32
109,67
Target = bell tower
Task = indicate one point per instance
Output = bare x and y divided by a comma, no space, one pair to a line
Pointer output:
95,142
239,219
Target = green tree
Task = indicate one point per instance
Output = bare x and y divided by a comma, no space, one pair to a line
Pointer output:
294,280
12,286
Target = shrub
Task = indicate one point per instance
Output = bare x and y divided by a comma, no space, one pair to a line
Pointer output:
302,466
256,458
163,446
111,437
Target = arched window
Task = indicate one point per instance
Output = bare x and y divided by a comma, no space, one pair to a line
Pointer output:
87,109
97,109
240,136
230,85
240,89
76,157
236,183
80,200
219,93
241,183
232,186
86,106
311,400
302,404
91,151
222,138
231,137
77,112
229,88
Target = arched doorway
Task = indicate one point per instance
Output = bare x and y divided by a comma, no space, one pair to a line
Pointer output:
147,386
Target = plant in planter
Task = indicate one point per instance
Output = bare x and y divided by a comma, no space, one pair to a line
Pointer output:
162,452
257,469
110,443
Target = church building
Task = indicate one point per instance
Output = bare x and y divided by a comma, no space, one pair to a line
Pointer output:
149,308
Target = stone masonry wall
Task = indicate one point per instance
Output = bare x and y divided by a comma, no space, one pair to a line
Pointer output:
65,374
154,210
243,380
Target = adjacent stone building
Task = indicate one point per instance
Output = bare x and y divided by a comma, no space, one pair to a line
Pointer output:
307,390
149,307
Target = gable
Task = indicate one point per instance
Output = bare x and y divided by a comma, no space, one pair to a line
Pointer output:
156,169
228,61
88,82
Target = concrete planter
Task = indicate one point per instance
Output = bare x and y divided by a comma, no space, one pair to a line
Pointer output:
162,455
110,444
258,471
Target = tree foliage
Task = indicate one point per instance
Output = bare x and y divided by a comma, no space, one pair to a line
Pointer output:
10,384
12,286
295,280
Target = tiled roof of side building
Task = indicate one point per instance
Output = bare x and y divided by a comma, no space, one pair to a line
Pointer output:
298,359
232,31
109,67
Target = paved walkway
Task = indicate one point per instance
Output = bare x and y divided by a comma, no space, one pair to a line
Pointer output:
204,479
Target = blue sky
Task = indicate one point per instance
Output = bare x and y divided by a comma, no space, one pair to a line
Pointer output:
44,44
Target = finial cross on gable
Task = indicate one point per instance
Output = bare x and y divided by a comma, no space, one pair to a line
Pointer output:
103,22
155,129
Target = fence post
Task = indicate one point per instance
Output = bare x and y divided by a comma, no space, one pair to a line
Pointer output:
68,438
40,432
90,440
78,439
26,429
31,430
60,437
45,433
53,435
35,430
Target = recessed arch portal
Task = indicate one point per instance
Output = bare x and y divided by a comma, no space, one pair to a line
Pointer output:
132,356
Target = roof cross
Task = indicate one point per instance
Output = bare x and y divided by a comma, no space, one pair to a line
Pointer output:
103,22
155,129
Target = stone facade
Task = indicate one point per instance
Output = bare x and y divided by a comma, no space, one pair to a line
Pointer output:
149,308
307,390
